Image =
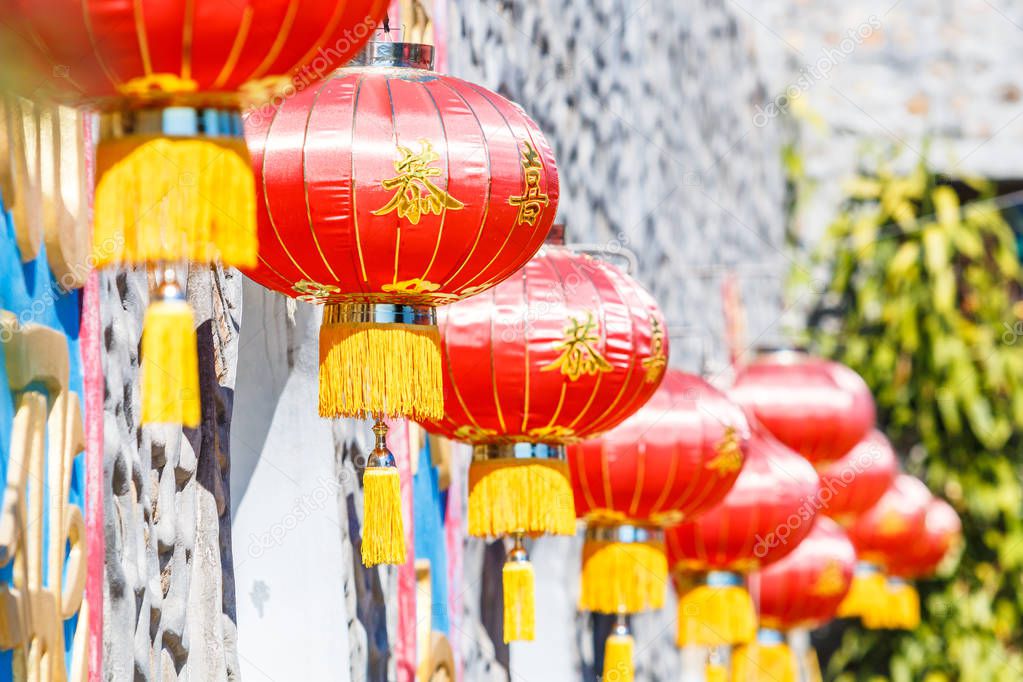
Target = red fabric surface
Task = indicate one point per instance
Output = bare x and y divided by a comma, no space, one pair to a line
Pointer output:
676,457
854,483
818,408
894,525
325,163
805,588
502,380
765,515
217,45
942,528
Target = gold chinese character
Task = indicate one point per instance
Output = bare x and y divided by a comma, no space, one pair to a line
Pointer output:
830,582
415,195
654,365
532,201
579,354
314,292
728,459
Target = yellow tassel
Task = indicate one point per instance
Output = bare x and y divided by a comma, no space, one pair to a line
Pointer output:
618,663
519,601
532,496
761,661
716,615
392,370
903,606
623,577
161,199
170,365
715,672
867,597
383,529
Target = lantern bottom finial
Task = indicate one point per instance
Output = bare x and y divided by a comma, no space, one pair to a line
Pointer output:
383,530
518,583
170,364
619,650
380,359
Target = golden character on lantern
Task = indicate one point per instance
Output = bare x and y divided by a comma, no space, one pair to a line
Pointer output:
655,364
414,173
579,354
532,201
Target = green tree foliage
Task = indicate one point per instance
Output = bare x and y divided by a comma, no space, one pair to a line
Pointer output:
923,301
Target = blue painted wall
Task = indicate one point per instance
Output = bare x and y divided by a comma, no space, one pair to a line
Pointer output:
30,291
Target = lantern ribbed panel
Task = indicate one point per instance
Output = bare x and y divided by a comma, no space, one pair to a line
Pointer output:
565,349
853,484
820,409
118,49
397,185
675,458
764,516
805,588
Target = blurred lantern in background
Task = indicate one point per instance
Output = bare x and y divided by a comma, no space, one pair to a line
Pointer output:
764,517
942,530
803,590
819,408
890,528
673,459
564,350
173,179
389,190
853,484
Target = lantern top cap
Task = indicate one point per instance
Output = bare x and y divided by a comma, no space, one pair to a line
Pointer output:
781,352
400,55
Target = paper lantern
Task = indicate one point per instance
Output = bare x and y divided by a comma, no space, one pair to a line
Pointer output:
673,459
802,590
565,349
853,484
942,529
889,528
388,190
173,179
818,408
765,515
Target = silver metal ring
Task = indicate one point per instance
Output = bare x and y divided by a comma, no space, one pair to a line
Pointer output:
482,452
401,55
380,313
225,122
624,534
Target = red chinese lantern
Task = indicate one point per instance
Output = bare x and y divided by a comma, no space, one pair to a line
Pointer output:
389,190
889,528
675,458
566,349
853,484
942,529
818,408
765,515
802,590
173,179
